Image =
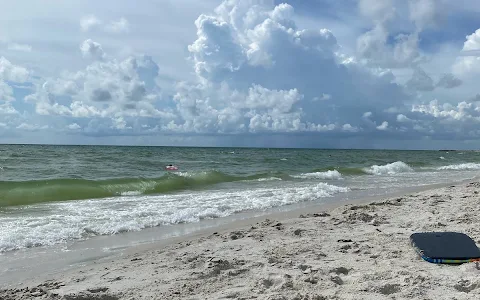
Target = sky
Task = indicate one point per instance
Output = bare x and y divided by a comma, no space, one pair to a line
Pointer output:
392,74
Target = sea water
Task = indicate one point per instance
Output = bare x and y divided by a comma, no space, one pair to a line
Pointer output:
52,195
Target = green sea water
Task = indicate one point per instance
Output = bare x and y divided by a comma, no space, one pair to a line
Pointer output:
75,192
38,173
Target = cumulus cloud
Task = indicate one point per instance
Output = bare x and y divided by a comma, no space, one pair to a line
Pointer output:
7,109
89,22
246,82
74,126
32,127
383,126
257,72
11,72
105,89
250,49
402,118
468,62
6,92
91,49
459,112
14,73
375,47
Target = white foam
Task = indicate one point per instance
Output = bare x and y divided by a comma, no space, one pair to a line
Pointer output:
269,179
132,193
184,174
465,166
332,175
441,157
389,169
63,221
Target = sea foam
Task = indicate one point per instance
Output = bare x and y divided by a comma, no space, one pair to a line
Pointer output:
86,218
331,175
389,169
465,166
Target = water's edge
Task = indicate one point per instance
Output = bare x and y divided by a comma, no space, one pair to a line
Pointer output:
42,262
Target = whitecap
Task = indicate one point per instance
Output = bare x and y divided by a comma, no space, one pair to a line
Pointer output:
331,175
389,169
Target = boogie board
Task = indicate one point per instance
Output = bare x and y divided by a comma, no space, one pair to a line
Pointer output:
445,247
171,168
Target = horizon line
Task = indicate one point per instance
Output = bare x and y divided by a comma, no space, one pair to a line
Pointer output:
242,147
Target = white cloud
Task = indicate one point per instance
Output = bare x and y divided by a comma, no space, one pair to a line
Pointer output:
349,128
251,48
242,58
367,114
468,62
402,118
11,72
375,46
460,112
103,89
383,126
6,92
7,109
89,22
74,126
256,68
91,49
32,127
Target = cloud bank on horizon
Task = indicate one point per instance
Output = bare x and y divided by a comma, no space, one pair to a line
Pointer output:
358,73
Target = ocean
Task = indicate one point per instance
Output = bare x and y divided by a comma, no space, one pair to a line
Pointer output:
53,195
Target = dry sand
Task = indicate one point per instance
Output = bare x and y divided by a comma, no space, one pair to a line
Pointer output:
351,252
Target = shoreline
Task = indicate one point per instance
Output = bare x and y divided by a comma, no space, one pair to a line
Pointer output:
261,234
55,259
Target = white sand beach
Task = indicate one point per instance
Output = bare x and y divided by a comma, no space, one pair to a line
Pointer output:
351,252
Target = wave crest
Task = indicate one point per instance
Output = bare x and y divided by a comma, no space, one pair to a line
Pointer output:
330,174
37,191
460,167
389,169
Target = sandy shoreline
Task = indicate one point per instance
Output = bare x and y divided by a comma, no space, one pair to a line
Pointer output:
351,252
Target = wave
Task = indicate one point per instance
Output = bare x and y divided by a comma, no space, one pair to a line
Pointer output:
84,219
37,191
459,167
342,170
268,179
389,169
330,174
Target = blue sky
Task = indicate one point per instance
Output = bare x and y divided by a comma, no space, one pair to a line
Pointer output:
314,73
